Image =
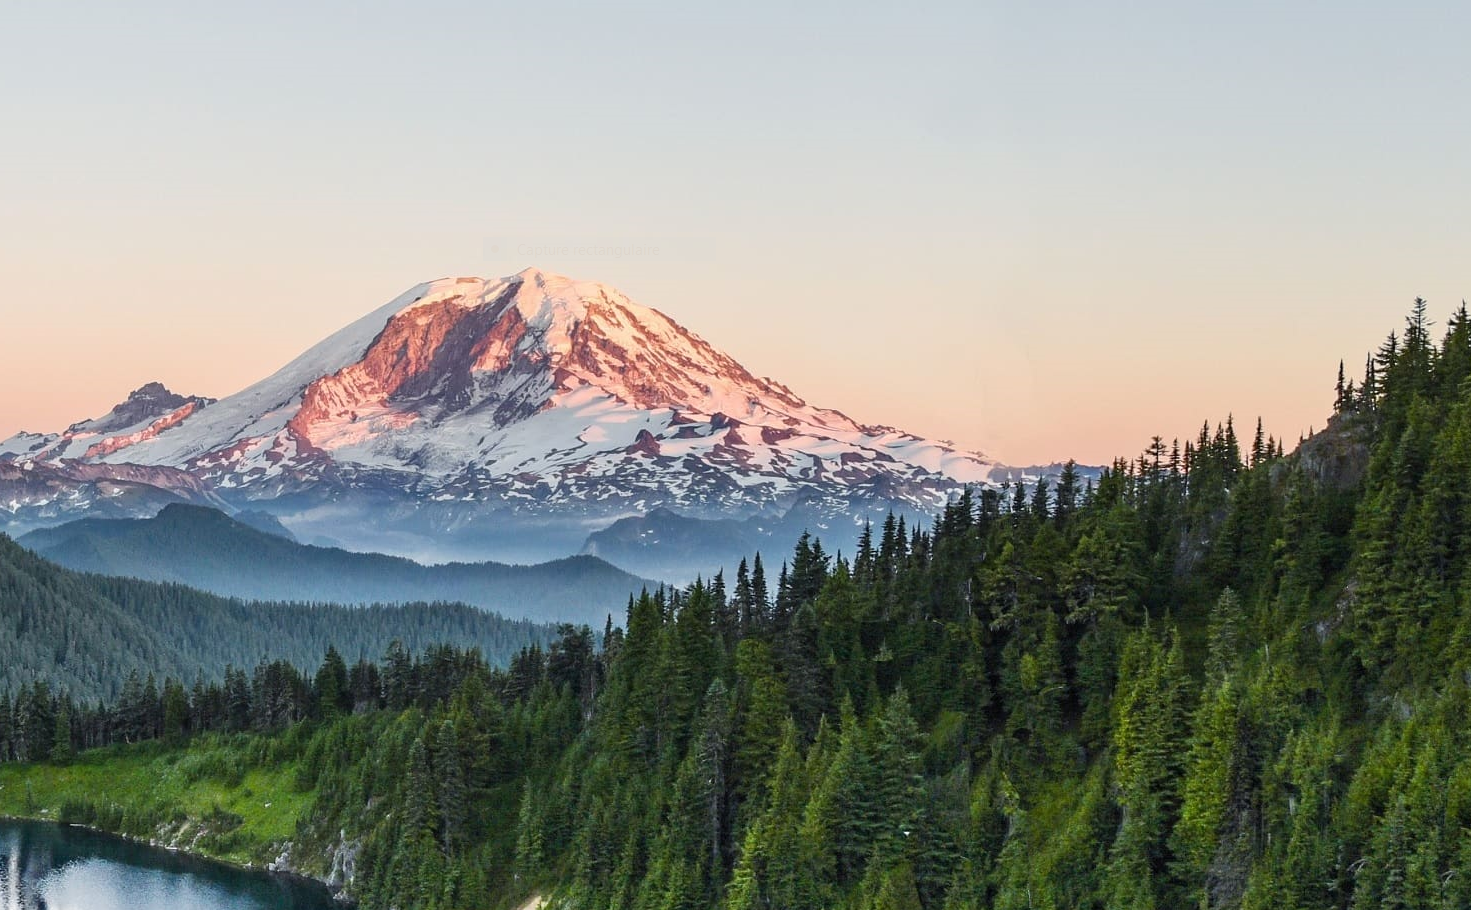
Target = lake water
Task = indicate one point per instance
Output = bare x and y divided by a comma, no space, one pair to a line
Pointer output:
53,867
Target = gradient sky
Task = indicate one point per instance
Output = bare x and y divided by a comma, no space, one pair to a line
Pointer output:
1039,229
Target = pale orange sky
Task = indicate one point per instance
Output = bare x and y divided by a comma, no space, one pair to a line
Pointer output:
1040,235
1014,381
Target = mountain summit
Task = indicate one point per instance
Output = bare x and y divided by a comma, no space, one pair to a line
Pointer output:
467,406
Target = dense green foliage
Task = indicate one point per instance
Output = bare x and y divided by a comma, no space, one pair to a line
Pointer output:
382,767
1223,677
232,797
206,549
83,635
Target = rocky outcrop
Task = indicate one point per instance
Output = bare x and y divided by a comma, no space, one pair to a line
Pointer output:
339,863
146,403
1338,456
342,869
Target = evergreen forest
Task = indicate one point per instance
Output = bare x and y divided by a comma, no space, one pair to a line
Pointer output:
1229,674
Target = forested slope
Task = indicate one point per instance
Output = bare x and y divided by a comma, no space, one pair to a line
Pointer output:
84,634
206,549
1225,676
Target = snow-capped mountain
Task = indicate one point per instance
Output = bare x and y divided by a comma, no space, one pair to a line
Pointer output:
466,411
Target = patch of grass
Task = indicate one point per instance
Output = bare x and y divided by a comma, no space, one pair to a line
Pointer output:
233,798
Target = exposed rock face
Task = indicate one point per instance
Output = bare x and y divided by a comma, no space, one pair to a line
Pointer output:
340,865
1338,456
115,443
342,869
142,405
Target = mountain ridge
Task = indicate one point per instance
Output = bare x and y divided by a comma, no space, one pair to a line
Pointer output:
83,634
463,412
208,550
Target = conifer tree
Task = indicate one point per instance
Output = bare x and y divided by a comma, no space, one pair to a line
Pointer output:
713,760
1067,494
1225,637
175,710
61,748
761,604
761,711
530,836
744,599
452,789
333,690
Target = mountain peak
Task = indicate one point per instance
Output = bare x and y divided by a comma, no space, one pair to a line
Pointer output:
542,276
150,401
150,391
539,298
470,331
533,394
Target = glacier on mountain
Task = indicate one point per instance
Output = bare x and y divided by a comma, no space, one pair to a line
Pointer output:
465,403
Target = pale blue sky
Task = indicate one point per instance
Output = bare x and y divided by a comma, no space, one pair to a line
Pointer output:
1042,229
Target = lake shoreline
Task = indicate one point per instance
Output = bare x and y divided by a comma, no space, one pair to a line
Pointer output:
338,896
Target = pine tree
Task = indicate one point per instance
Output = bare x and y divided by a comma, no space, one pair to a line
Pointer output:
1067,494
727,613
530,836
7,728
61,748
761,594
889,887
1369,388
175,710
1150,726
398,677
865,560
771,871
333,689
1210,780
900,784
237,697
761,710
843,819
745,600
420,811
714,747
1225,637
452,790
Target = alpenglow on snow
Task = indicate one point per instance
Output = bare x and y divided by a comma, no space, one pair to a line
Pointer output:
466,408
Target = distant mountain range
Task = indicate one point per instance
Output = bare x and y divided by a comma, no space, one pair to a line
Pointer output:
83,634
517,418
203,548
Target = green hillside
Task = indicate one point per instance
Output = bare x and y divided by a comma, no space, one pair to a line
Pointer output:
1223,677
84,634
206,549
